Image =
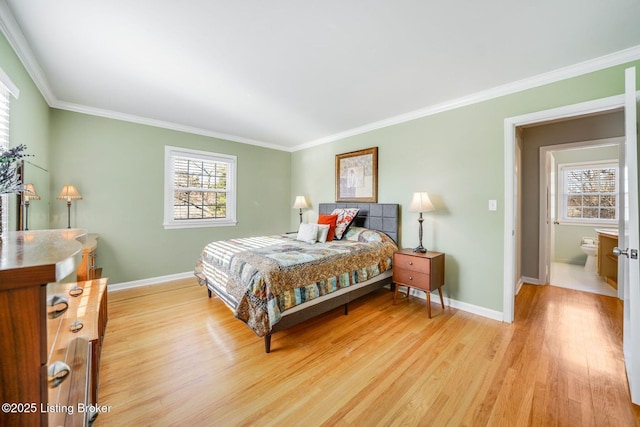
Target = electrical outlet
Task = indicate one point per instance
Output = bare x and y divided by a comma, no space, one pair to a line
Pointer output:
493,205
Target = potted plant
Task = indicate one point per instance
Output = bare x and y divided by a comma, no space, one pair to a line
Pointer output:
9,180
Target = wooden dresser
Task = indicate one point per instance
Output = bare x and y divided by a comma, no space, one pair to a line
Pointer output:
49,373
87,269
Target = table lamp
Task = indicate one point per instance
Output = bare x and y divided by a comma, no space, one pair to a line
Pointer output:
421,203
29,193
68,193
300,203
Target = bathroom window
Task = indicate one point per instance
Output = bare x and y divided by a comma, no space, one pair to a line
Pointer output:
588,192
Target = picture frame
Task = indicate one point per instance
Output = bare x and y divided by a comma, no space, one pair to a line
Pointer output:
357,176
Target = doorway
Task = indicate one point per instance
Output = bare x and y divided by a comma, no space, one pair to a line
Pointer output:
519,264
568,225
628,270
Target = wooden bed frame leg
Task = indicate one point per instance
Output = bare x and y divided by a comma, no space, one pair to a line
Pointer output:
346,309
267,343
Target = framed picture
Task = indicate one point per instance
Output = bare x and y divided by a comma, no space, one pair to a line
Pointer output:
357,176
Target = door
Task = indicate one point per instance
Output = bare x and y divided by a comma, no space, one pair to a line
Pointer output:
629,242
549,218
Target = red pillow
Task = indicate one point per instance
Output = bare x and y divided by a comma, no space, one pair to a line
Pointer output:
331,220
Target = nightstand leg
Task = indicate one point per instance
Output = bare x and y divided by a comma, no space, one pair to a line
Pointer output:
395,295
441,299
429,304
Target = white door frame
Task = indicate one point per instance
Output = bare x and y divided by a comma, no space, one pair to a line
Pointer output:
511,212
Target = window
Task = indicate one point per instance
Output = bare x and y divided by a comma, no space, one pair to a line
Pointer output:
589,192
7,88
199,189
4,143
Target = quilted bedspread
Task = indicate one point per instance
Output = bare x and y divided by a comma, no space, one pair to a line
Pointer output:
261,277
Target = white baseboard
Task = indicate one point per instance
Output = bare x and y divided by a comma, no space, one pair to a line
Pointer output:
469,308
150,281
531,280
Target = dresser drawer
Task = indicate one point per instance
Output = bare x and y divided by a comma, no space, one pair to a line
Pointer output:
75,338
69,397
412,263
411,278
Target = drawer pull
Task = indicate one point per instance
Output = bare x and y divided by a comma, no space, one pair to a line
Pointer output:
57,372
76,326
410,262
76,291
410,277
58,306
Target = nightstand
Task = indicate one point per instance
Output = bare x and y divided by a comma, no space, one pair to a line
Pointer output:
424,271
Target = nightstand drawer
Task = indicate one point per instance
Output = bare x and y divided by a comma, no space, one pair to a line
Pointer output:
413,263
411,278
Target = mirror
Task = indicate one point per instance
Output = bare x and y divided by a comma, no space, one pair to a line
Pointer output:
29,211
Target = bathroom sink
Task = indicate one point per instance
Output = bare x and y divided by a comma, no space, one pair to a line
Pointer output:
609,231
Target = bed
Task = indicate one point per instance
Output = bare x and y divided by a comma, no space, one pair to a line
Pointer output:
274,282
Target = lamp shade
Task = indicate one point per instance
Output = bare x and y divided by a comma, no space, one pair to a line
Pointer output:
30,193
69,192
421,203
300,203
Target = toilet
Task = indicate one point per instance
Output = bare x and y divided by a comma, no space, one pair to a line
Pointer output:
589,246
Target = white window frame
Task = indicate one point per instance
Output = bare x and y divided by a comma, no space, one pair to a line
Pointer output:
7,88
172,153
560,194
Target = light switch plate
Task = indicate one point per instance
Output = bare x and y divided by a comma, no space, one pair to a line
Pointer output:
493,205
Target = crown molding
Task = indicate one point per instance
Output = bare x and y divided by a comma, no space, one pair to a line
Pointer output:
78,108
600,63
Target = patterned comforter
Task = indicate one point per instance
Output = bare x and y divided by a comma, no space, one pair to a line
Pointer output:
261,277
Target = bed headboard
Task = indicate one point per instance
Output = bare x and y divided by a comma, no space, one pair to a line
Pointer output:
377,216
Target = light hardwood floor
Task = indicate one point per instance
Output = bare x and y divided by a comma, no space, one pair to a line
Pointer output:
174,357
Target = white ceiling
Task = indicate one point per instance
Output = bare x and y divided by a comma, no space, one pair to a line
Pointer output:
293,73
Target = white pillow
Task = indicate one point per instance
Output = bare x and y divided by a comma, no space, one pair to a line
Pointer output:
323,231
308,233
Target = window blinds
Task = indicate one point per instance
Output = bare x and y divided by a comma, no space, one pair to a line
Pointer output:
200,189
591,192
4,143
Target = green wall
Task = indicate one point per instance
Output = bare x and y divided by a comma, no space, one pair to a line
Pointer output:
30,126
458,158
118,167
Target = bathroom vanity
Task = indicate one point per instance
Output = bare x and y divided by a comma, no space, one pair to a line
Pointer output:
607,265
